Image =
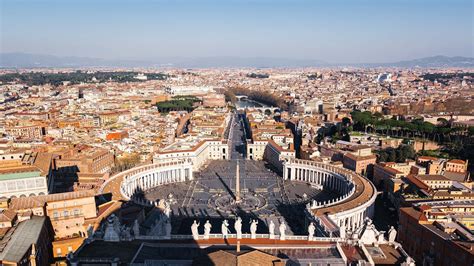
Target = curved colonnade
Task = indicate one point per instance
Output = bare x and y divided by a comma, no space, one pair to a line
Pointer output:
357,193
149,176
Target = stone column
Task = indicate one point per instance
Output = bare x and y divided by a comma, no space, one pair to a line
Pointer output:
190,173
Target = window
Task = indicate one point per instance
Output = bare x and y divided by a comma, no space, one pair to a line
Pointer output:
58,251
65,213
55,214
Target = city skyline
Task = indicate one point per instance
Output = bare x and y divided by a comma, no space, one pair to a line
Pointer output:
236,132
301,30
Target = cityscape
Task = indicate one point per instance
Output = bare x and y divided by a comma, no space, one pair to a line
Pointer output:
236,133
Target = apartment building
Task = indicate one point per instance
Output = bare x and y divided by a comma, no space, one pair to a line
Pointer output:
68,211
433,233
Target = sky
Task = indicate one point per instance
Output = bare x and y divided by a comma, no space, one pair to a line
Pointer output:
336,31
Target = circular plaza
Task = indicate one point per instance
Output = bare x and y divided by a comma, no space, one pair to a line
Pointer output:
306,192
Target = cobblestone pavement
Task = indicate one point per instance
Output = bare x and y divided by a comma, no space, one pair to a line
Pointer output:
196,199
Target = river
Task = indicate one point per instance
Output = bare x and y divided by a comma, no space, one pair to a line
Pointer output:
244,103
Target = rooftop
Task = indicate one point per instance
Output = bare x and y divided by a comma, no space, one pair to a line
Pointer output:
18,240
19,173
39,201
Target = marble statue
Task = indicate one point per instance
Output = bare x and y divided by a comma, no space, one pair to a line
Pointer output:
253,229
282,230
311,230
167,209
112,229
409,262
194,230
207,229
225,228
136,228
125,233
238,227
355,235
380,238
271,229
342,231
368,234
392,234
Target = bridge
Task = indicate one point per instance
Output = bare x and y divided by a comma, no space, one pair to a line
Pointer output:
240,97
264,109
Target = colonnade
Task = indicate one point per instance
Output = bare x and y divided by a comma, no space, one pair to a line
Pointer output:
340,180
146,177
353,219
322,175
317,176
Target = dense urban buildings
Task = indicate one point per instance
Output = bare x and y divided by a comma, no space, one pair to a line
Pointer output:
298,166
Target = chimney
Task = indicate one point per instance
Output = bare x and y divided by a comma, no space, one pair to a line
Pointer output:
238,245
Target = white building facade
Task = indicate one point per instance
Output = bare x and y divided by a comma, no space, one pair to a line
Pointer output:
23,184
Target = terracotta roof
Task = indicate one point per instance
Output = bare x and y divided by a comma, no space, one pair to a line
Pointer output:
432,177
228,258
390,169
415,214
7,215
43,161
457,161
417,182
427,158
392,256
27,203
425,207
359,158
39,201
21,169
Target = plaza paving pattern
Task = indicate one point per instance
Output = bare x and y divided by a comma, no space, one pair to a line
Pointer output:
277,199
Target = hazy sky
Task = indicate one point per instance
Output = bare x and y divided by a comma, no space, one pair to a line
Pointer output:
333,30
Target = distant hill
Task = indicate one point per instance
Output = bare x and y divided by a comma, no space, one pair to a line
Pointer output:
25,60
436,61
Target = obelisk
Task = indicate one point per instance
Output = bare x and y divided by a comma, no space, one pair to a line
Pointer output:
237,183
